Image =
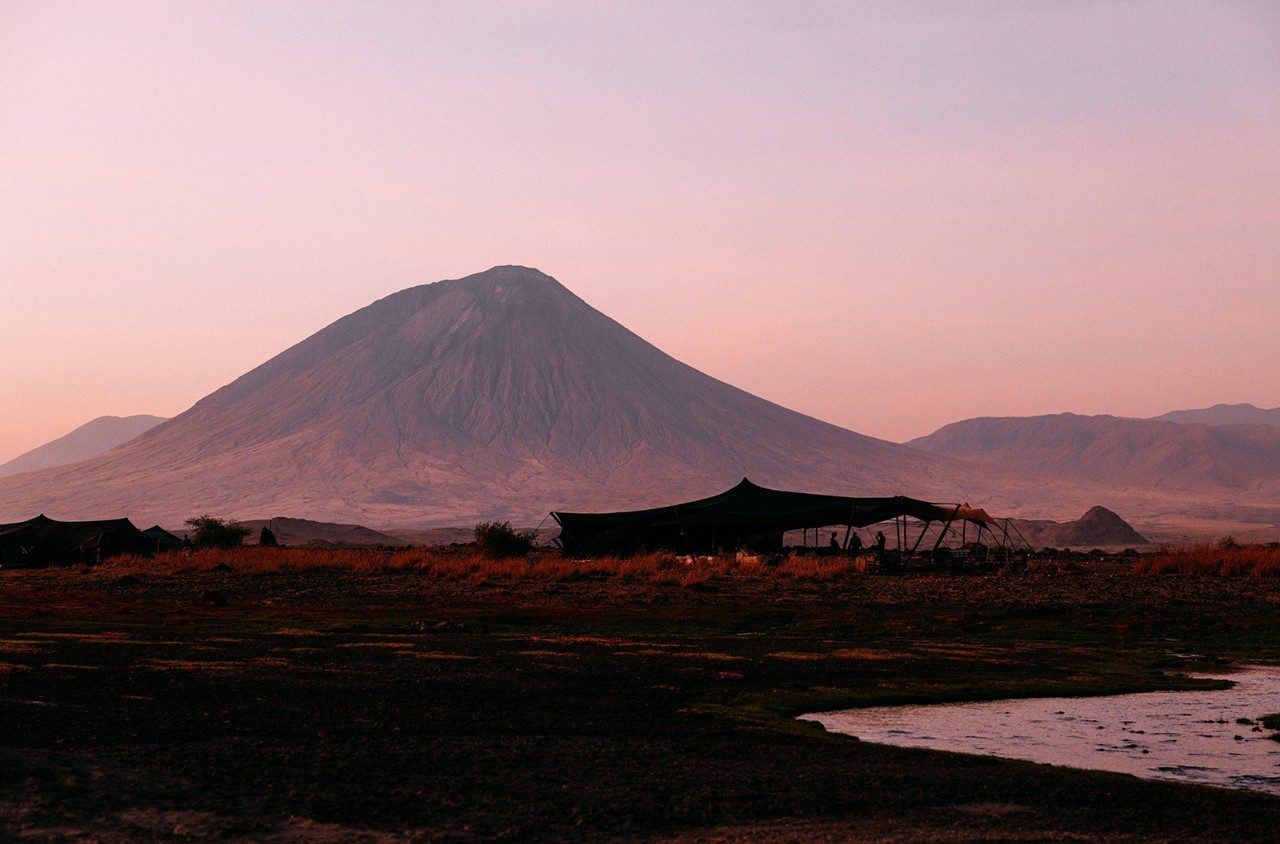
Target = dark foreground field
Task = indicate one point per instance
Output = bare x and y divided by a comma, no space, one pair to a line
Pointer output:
330,704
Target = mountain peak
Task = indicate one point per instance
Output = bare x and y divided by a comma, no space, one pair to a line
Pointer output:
499,394
507,286
503,277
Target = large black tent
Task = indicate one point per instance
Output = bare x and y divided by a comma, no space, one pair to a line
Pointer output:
745,516
43,541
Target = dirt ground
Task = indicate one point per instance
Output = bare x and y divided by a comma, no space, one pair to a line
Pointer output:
337,705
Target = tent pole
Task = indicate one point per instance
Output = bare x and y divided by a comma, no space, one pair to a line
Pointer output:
924,530
1020,536
688,549
848,529
946,527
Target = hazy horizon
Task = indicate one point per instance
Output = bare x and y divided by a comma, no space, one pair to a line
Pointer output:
889,218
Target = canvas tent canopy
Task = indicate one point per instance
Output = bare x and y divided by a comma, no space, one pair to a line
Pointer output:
43,541
161,540
747,516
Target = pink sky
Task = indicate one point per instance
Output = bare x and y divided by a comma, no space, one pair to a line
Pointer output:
891,216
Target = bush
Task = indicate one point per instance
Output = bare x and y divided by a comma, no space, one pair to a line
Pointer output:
498,540
208,532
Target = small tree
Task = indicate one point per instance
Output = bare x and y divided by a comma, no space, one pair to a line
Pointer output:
499,539
208,532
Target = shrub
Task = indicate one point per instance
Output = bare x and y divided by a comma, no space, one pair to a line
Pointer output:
499,540
209,532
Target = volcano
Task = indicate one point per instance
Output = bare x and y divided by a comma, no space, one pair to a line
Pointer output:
500,395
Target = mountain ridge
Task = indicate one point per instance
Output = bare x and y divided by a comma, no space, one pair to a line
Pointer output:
1224,414
88,440
1146,453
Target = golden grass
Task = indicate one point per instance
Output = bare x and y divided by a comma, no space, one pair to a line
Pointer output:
391,645
468,564
215,665
863,654
435,655
1237,561
108,637
701,655
13,646
603,641
192,665
541,653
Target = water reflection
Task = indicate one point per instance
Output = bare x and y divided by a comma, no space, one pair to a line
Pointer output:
1185,736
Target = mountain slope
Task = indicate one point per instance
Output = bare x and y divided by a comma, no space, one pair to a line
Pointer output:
498,395
1120,453
1225,414
89,440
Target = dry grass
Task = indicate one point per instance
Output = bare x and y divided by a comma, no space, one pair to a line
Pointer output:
469,564
1237,561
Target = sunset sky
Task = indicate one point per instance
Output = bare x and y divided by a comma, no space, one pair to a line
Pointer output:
890,215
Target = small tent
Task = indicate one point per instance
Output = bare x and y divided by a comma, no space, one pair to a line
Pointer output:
160,540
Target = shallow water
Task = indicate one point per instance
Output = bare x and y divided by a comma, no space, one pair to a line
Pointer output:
1184,736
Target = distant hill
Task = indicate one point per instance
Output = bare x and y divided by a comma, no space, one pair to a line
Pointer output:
1120,453
89,440
458,534
1098,528
321,534
500,395
1225,414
